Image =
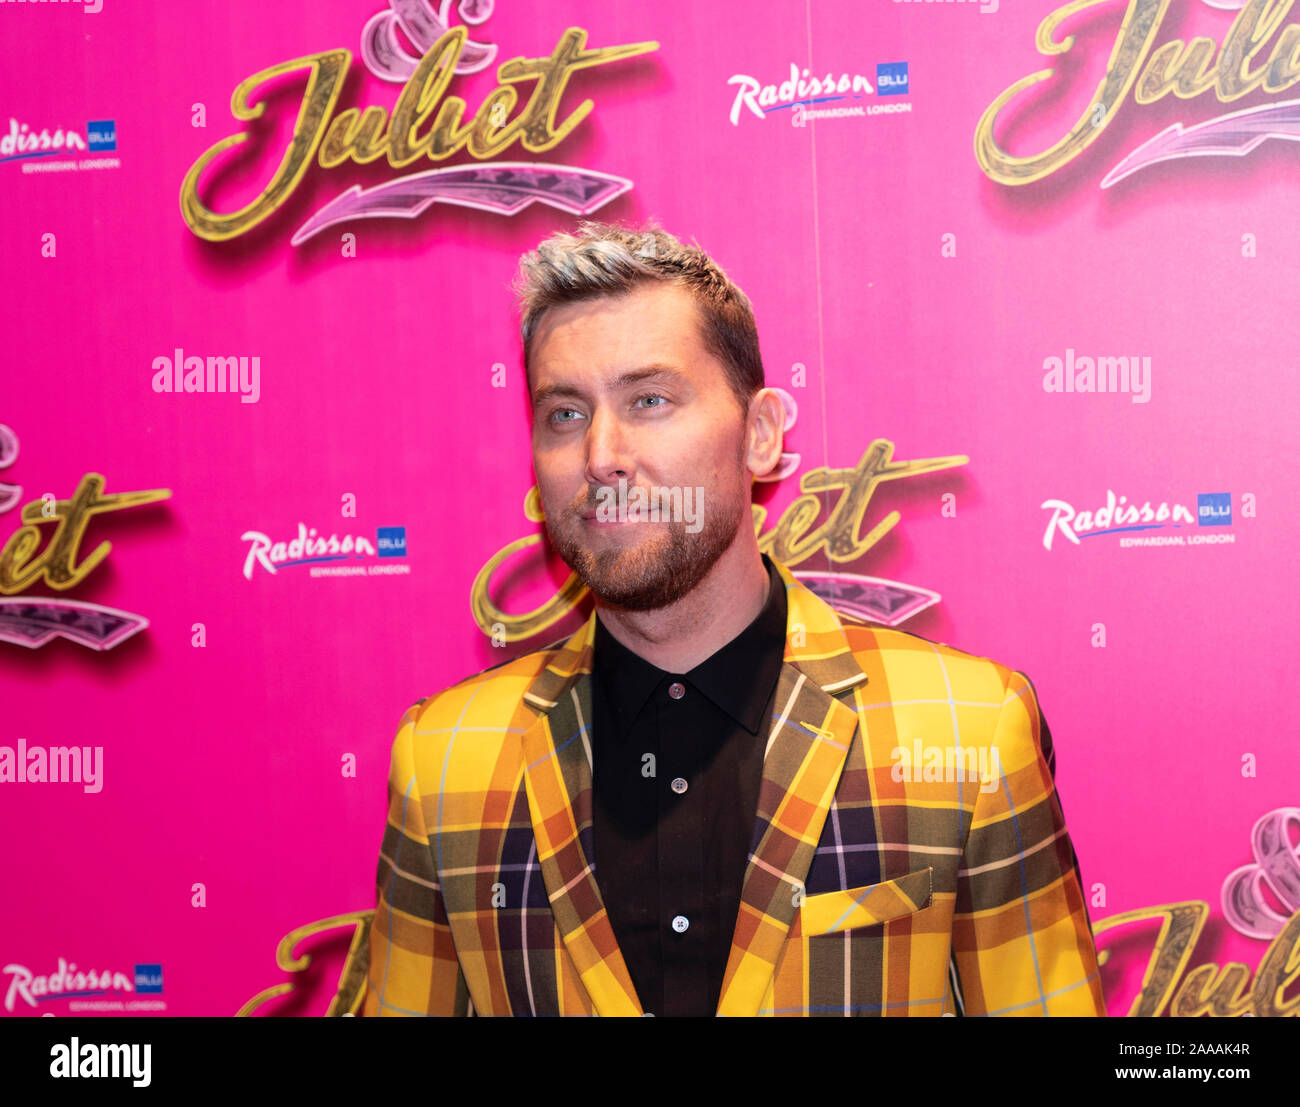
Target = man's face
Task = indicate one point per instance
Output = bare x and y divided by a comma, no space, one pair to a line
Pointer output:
623,387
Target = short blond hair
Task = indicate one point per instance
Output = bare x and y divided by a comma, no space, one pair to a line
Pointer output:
605,259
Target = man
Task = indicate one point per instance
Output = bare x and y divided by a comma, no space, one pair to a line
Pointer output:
694,805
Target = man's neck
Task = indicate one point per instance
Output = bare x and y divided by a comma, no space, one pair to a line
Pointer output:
678,637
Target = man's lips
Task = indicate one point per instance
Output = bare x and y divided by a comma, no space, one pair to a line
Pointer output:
590,518
606,522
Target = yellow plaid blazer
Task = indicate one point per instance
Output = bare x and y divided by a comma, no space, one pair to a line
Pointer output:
873,886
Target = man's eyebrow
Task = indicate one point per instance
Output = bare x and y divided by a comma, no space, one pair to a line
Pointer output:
653,372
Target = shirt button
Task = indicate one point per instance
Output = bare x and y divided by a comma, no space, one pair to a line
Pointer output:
680,923
679,785
677,690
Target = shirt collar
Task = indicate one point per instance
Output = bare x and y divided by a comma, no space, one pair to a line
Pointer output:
738,678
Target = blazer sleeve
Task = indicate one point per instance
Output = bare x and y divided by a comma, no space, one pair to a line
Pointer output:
413,968
1022,939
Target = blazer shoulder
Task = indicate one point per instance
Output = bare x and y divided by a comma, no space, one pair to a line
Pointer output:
904,653
494,693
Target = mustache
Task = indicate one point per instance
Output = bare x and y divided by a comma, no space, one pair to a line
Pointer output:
586,507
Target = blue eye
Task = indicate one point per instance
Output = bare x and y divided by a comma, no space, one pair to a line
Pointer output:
555,417
652,396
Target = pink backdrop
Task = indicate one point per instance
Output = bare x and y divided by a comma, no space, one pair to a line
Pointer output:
901,293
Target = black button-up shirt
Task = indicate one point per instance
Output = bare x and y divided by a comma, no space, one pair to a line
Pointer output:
677,763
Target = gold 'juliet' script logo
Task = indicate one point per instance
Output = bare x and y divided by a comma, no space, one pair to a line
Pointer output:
426,122
1220,991
1183,69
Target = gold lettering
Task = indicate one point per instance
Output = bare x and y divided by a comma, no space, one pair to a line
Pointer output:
448,136
481,143
1186,71
1180,926
1254,24
363,137
1208,989
783,541
859,484
421,93
1219,994
58,563
323,88
1278,970
1138,30
1284,65
21,545
349,993
540,131
363,141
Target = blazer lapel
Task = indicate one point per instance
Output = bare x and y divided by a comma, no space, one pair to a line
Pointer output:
806,751
557,773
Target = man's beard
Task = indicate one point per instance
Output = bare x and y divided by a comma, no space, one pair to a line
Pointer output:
662,568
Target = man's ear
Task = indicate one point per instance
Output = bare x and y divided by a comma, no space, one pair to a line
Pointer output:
764,432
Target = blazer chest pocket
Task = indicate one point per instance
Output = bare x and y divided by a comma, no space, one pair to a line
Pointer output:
836,912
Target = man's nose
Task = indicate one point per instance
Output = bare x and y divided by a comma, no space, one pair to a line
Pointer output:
609,454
